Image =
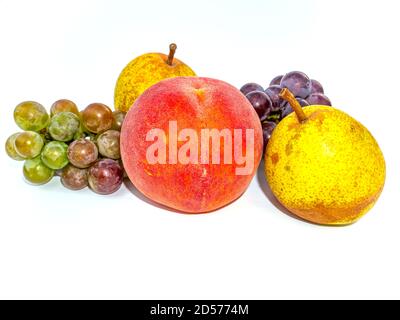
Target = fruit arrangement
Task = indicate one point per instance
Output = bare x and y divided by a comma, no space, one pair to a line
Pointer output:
320,163
81,147
271,108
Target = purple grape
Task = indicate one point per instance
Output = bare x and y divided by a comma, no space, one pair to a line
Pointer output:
276,81
250,87
106,176
316,87
319,99
287,109
298,83
273,92
303,102
267,127
262,103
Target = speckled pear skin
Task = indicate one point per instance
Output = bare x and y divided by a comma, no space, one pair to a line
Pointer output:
143,72
328,170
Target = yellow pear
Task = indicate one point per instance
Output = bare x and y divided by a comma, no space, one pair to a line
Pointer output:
145,71
323,165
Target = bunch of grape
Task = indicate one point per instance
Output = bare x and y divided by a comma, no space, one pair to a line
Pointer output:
80,147
271,108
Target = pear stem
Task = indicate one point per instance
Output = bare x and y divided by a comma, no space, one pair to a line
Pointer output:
172,50
289,97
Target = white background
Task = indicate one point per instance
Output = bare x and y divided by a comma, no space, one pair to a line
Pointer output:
56,243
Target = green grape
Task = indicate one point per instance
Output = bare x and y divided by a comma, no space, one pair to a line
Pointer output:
36,172
64,105
28,144
64,126
31,116
10,148
54,155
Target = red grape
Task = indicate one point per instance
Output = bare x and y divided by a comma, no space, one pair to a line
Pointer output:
74,178
105,176
82,153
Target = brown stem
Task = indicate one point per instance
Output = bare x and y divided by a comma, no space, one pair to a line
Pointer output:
172,50
289,97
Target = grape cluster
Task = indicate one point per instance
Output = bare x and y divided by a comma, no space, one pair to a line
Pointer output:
271,108
80,147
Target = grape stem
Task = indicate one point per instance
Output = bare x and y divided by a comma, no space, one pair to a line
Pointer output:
172,50
289,97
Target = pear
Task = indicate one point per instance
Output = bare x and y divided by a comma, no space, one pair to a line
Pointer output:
323,165
145,71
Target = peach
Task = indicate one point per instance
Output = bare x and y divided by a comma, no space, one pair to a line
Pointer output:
191,144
